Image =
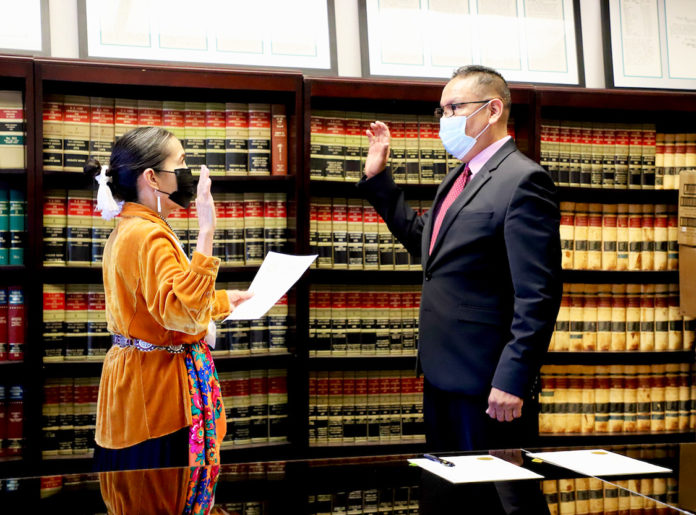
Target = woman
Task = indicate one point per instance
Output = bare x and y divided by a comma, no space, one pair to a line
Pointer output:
159,395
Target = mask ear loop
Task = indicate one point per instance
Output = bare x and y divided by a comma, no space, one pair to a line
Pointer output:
159,204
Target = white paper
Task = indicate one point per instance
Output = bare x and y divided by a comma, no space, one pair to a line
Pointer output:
275,277
598,462
476,469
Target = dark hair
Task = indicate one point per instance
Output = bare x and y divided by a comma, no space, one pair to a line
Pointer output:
133,153
486,78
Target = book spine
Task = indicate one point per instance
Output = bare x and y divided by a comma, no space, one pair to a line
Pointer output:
279,140
101,128
53,322
382,322
173,119
426,150
324,234
322,403
609,236
278,326
647,317
633,301
17,217
386,246
373,418
323,321
604,317
277,405
98,337
657,398
215,152
240,420
585,142
580,236
339,233
353,321
635,165
361,403
253,228
594,237
609,155
76,306
15,323
621,149
317,146
394,310
258,409
15,420
149,113
339,344
371,235
618,317
66,416
412,149
676,322
79,228
589,318
52,116
588,400
236,138
672,398
667,176
12,130
125,116
602,399
368,331
335,408
312,409
4,225
356,258
258,335
647,251
4,316
397,160
336,146
574,154
194,145
649,150
75,133
259,139
564,138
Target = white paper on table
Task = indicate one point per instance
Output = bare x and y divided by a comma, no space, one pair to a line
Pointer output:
598,462
275,277
476,469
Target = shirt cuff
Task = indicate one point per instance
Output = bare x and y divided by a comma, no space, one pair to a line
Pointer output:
221,306
205,265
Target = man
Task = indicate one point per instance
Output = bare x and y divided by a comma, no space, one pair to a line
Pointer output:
491,257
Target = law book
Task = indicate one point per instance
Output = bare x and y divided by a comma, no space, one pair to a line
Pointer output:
79,228
236,138
335,146
12,130
253,228
672,397
602,398
317,146
53,327
373,408
561,341
339,342
15,420
52,144
76,314
635,236
633,316
596,150
17,234
564,154
547,400
609,236
239,419
275,220
76,132
353,127
630,398
553,130
426,148
66,416
16,323
672,236
322,407
690,150
323,321
661,326
49,418
277,405
173,119
259,139
619,301
258,406
573,423
622,237
394,310
215,152
101,128
594,236
366,118
647,317
101,229
194,131
587,400
149,113
4,313
381,306
550,491
324,234
679,157
668,165
608,155
258,335
684,397
589,318
643,398
409,320
689,334
660,237
235,253
371,237
353,320
312,408
676,321
98,336
649,156
335,408
386,246
125,116
361,407
657,397
439,152
647,252
368,330
574,153
635,156
339,233
580,236
621,148
582,495
585,154
544,149
408,405
356,258
412,149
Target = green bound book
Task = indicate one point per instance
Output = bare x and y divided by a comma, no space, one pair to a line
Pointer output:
4,225
17,211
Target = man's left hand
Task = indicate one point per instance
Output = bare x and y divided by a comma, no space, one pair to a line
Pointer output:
503,406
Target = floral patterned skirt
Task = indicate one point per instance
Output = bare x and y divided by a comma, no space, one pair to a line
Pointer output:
206,406
200,494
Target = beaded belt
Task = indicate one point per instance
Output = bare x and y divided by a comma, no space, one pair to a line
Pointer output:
144,346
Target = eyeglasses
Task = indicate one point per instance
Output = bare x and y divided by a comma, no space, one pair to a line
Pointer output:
448,110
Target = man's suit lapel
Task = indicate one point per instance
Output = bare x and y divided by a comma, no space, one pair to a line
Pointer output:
481,178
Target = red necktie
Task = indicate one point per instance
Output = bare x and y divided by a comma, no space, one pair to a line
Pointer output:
456,189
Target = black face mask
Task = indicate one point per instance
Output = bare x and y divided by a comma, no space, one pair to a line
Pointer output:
185,187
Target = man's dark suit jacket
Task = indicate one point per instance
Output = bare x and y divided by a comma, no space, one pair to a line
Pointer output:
492,285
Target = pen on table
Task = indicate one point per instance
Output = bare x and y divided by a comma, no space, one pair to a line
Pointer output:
438,460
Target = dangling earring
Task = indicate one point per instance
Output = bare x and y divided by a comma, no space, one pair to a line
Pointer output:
159,204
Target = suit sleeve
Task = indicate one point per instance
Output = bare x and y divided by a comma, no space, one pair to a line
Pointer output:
532,241
389,201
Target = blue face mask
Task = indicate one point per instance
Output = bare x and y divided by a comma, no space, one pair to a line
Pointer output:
454,137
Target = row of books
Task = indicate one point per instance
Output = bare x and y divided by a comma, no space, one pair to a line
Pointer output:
615,155
256,406
619,236
339,145
13,208
355,320
69,415
12,323
401,500
622,317
586,399
229,138
11,419
357,407
349,234
249,225
12,130
591,495
75,326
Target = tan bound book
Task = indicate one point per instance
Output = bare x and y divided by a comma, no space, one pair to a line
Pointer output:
589,315
647,251
672,397
562,332
52,114
609,252
633,317
643,399
684,399
635,236
580,236
588,400
661,317
622,242
576,294
657,398
616,399
594,237
647,317
661,243
75,133
676,321
567,233
618,317
630,398
604,319
668,177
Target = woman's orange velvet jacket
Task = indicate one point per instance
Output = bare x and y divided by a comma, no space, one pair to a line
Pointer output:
154,294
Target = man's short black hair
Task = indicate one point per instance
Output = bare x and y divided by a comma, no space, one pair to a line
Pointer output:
486,78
